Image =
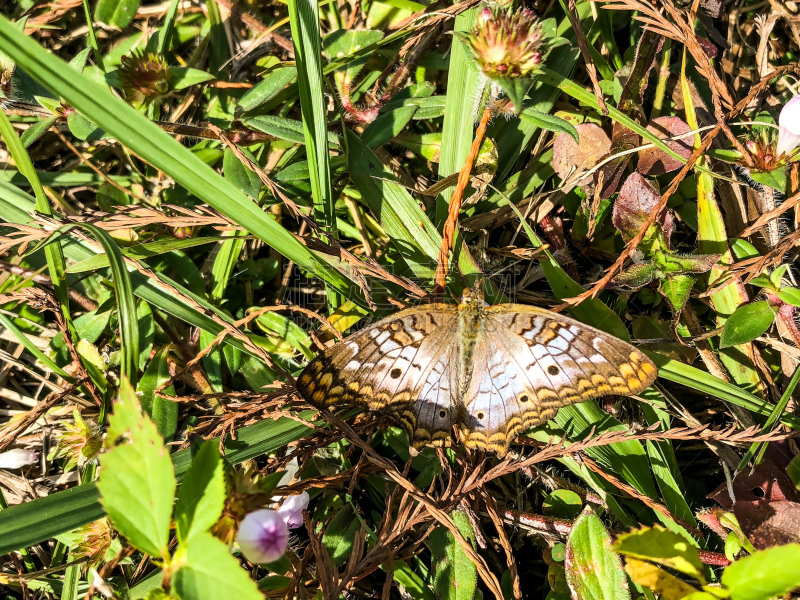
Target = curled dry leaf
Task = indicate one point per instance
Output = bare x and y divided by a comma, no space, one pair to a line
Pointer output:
636,201
569,157
653,161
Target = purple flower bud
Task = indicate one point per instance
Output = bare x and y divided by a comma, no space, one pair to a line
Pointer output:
789,122
263,536
17,458
291,511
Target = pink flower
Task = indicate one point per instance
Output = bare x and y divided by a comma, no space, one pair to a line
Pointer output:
291,511
789,123
263,536
17,458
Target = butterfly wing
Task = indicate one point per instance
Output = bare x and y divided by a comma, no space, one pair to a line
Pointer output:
527,363
407,364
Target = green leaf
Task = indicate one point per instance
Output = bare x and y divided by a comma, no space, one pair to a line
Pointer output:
241,174
140,251
137,481
777,274
163,411
340,535
201,496
762,281
454,574
411,582
765,574
116,13
266,89
210,572
126,306
147,330
564,504
594,570
659,545
747,323
183,77
790,295
549,123
515,88
676,290
775,179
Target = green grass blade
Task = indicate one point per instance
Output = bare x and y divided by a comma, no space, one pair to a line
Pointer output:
304,21
147,140
126,306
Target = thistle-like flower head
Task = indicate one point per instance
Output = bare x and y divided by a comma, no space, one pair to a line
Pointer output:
789,123
144,76
506,44
762,147
79,443
96,539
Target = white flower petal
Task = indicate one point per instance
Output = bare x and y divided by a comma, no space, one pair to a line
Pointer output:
292,509
16,458
789,123
263,536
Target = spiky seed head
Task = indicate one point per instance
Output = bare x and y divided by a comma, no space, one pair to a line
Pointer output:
144,76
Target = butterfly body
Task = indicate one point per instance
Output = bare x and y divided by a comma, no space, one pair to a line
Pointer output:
490,371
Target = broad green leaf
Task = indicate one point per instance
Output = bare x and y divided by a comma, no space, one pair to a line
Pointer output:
454,574
267,88
201,496
661,546
790,295
117,13
240,174
137,480
747,323
183,77
775,179
211,573
765,574
594,570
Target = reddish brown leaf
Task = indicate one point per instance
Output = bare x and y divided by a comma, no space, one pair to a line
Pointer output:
569,156
653,161
767,505
636,201
767,523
